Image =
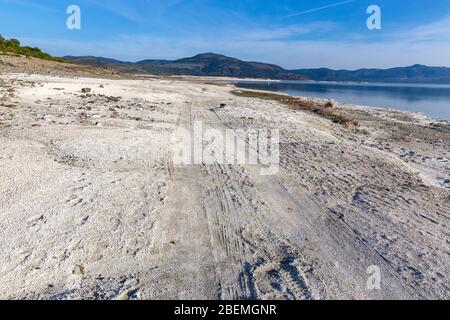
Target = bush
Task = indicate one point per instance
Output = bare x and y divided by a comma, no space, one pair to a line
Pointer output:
13,46
329,104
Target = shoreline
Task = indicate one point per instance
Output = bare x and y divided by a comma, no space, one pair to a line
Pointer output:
353,104
412,114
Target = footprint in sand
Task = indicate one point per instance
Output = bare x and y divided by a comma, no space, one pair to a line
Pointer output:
34,220
75,201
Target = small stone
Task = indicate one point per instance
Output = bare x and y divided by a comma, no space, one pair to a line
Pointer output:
129,295
35,218
329,104
131,283
86,90
78,270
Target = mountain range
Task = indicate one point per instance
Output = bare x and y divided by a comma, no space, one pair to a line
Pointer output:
210,64
206,64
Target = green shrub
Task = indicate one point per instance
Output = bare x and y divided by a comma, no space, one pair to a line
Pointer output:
13,46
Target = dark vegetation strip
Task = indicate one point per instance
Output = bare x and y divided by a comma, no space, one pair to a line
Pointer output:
325,110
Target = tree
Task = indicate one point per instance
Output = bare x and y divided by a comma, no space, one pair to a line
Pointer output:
13,43
2,43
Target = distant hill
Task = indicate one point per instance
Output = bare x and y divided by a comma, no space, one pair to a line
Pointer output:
413,74
211,64
206,64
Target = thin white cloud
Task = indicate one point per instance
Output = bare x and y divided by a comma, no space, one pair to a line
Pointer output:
28,4
120,8
285,32
138,13
438,30
319,8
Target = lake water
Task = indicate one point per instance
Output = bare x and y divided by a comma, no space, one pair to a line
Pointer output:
431,100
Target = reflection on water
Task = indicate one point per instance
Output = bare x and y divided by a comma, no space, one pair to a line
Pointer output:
432,100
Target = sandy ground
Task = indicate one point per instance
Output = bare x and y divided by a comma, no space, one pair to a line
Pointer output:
93,207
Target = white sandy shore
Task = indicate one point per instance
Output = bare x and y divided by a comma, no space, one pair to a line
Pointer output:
92,207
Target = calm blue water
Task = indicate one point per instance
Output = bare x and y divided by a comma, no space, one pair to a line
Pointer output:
432,100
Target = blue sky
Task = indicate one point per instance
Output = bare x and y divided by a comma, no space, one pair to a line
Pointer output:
293,34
